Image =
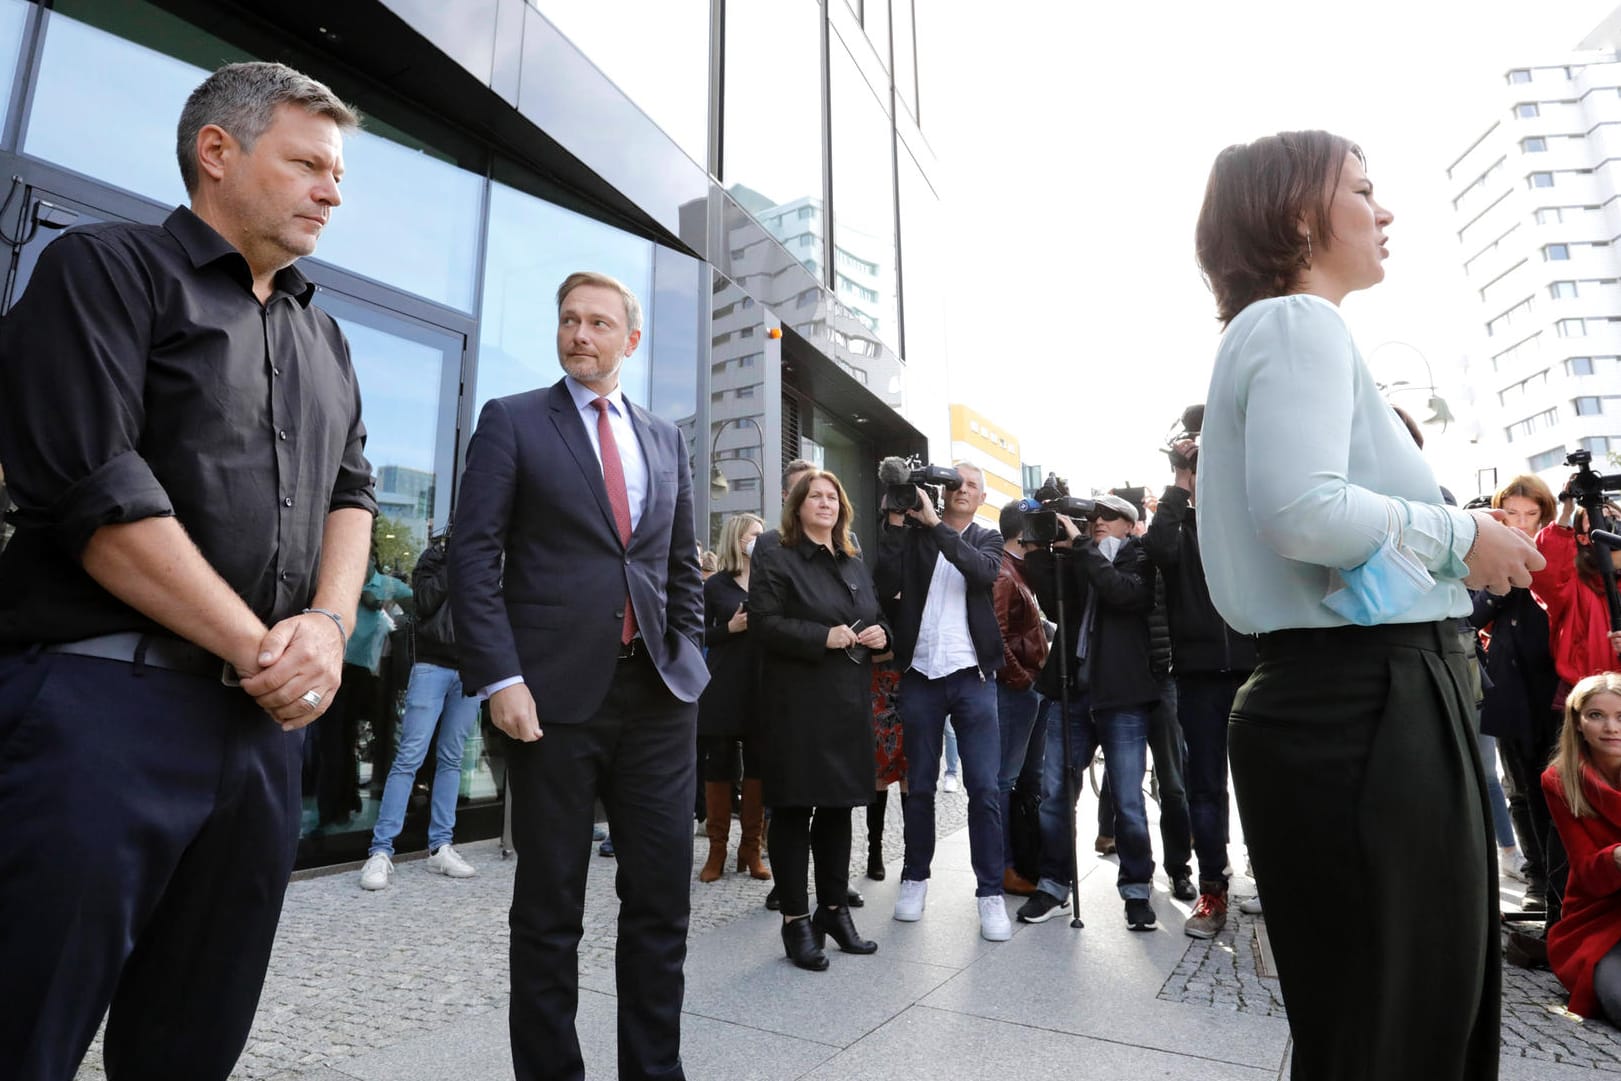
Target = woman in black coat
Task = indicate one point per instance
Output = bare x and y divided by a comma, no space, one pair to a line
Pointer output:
814,611
727,711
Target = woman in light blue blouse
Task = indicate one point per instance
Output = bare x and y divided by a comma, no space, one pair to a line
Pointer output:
1323,532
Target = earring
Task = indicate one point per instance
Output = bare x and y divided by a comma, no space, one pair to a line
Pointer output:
1308,247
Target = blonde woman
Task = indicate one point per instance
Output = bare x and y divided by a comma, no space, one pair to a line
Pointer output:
728,710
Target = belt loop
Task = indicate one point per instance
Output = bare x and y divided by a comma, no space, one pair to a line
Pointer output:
138,661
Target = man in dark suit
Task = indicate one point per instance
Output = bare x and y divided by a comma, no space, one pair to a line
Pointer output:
578,608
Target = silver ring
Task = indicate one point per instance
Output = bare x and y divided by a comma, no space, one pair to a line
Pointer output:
311,699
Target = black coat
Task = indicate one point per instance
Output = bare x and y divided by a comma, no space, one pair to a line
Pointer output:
434,636
1119,649
906,558
1518,707
816,703
730,704
1201,641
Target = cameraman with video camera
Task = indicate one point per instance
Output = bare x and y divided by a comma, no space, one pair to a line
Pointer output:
1108,591
1211,661
948,644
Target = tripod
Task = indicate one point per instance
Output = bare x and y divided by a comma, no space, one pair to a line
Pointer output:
1060,557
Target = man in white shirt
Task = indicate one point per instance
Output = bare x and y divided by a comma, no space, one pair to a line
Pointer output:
949,647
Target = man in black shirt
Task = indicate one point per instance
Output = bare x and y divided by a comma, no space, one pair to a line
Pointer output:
180,432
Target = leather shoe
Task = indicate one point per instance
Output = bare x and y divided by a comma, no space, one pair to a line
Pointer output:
837,925
1015,883
772,901
853,899
799,943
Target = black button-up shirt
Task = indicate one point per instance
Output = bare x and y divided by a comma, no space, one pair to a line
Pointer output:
140,377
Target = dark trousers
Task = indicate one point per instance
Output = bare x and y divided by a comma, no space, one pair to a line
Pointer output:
1165,744
795,836
637,754
1203,703
970,701
1360,789
151,823
1545,866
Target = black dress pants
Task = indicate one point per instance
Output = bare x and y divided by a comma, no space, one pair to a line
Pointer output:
151,824
796,833
1363,803
637,753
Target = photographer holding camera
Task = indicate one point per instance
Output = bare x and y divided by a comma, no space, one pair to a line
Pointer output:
1211,662
1109,589
949,646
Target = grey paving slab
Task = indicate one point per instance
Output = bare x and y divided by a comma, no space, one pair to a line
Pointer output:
929,1042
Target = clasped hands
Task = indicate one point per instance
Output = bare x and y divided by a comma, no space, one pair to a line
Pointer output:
300,654
1502,558
842,637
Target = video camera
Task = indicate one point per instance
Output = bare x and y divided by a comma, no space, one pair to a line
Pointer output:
902,477
1052,499
1187,426
1587,488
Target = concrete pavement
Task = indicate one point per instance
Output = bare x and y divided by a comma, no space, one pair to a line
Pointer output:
410,983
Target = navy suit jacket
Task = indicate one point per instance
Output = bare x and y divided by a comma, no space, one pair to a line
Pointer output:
539,575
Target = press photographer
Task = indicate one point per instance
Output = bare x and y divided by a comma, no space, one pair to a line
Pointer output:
947,643
1211,661
1108,586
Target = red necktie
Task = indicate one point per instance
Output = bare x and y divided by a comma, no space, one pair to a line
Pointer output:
613,475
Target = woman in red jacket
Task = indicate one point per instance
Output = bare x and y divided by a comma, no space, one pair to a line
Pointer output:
1572,591
1583,786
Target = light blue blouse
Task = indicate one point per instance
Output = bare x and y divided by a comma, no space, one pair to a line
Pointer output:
1302,463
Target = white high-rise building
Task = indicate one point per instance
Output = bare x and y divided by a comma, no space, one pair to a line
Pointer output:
1538,223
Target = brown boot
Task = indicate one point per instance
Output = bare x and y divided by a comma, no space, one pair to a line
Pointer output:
753,822
717,824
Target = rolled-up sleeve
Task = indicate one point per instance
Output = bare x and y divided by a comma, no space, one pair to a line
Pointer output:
73,356
1300,405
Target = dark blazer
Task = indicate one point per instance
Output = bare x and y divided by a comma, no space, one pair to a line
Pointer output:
730,705
1201,641
1119,649
1518,705
816,702
906,557
552,612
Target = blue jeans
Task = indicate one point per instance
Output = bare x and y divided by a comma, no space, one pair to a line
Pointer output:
953,759
433,690
970,701
1494,791
1202,704
1123,734
1015,716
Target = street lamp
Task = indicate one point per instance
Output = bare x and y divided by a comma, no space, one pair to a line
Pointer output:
718,484
1440,413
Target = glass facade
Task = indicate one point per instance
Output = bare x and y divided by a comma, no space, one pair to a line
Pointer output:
772,308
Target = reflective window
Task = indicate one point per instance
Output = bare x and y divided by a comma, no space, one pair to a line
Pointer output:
13,15
147,63
863,200
656,51
905,53
875,20
771,157
736,419
533,245
924,265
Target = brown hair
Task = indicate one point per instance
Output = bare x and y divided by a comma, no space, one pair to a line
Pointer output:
1571,752
633,307
1528,486
1248,238
730,549
792,531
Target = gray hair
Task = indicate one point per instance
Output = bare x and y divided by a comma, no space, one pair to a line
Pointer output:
242,100
633,307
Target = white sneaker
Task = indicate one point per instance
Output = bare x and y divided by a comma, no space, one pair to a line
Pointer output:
378,870
447,861
1250,906
950,784
994,926
1513,863
909,905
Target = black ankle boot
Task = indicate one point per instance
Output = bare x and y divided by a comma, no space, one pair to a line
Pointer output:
799,943
875,835
837,925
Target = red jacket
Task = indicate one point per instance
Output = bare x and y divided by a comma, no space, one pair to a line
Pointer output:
1591,923
1578,617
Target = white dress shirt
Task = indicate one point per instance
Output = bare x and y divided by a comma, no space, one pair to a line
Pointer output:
630,457
943,642
1303,468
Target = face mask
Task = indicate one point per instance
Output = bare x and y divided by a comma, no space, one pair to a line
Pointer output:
1389,584
748,547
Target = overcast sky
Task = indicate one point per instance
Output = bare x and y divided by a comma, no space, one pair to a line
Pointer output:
1076,155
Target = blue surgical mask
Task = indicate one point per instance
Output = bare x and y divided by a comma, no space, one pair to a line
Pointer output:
1389,583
